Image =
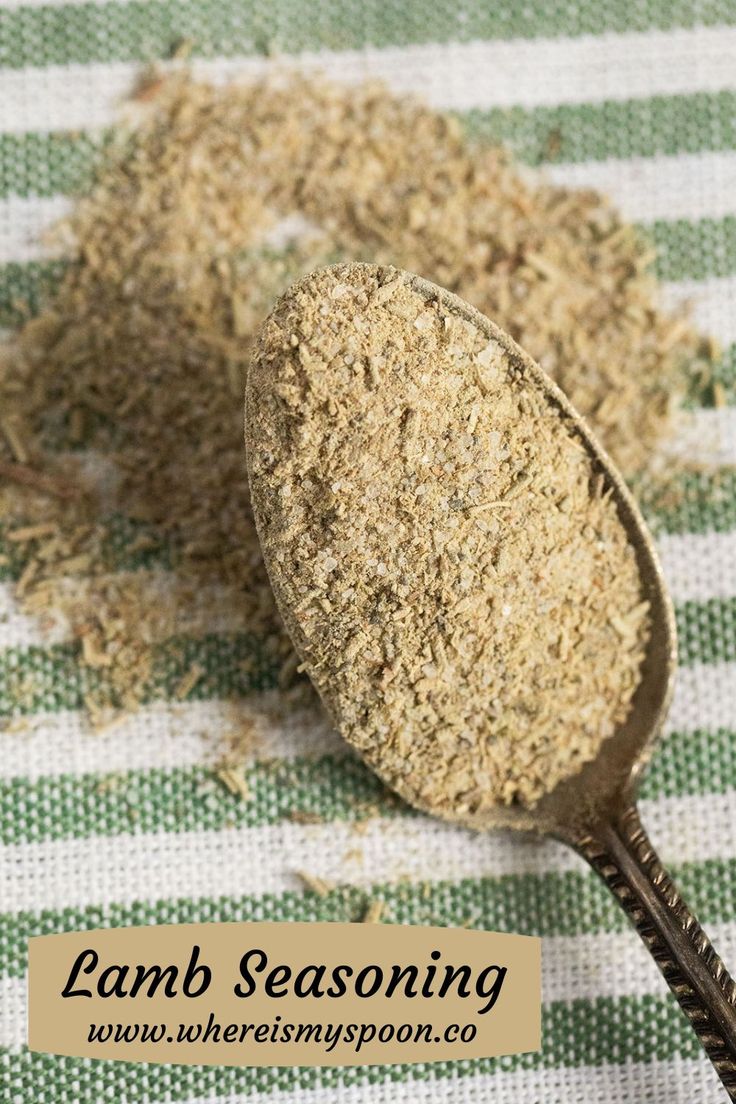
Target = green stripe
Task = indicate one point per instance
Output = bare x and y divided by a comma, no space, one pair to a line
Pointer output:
694,250
44,165
120,535
181,800
48,679
565,903
335,788
695,503
717,385
698,122
140,30
724,374
37,679
597,1032
24,286
41,164
707,631
692,762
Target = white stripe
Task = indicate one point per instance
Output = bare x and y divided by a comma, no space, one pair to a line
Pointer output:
683,1081
13,1012
611,964
705,698
23,630
580,967
208,609
706,437
210,863
530,73
23,224
206,863
713,303
163,736
30,230
168,736
670,823
699,567
685,186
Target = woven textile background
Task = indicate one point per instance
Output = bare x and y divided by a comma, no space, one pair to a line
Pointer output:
636,97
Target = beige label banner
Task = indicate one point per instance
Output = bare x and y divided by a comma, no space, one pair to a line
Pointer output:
284,994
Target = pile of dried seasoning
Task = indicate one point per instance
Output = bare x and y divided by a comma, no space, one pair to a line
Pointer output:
443,548
122,483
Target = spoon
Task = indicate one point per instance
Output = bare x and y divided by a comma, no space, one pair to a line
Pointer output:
593,809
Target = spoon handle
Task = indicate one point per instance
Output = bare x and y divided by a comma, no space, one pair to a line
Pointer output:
621,853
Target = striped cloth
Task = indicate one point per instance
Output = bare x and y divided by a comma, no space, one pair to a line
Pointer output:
636,97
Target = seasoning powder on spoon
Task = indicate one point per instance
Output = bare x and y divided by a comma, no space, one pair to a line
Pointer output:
454,575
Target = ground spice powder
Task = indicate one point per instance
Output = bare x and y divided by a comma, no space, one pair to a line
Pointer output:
442,545
121,430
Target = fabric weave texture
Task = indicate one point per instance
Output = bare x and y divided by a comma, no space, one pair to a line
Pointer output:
637,99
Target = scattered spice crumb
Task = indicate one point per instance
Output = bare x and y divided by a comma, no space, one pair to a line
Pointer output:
315,884
14,439
302,816
17,725
374,912
31,532
109,784
38,480
235,781
189,681
122,397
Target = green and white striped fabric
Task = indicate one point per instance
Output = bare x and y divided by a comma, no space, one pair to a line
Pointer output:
636,97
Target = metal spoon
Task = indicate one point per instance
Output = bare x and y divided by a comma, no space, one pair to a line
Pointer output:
595,811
